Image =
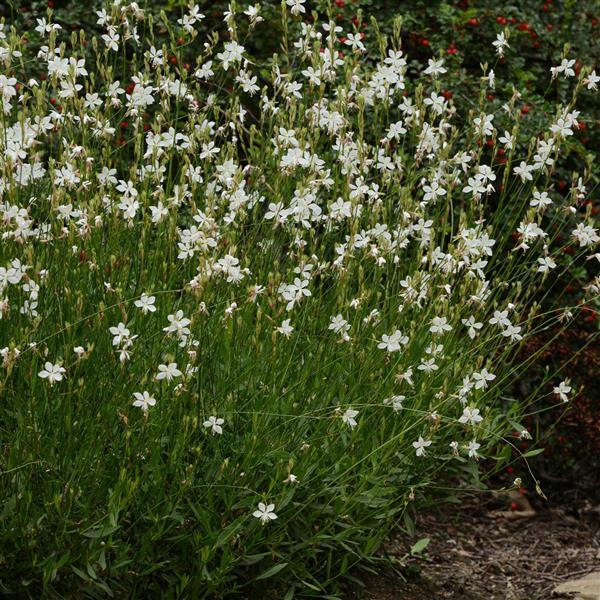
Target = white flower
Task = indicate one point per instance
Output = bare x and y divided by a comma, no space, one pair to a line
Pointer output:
121,334
285,328
52,372
524,171
353,40
564,67
168,372
265,512
396,402
143,400
508,140
563,389
546,264
500,43
392,342
592,80
420,445
473,326
146,303
214,424
540,199
296,6
435,67
472,448
348,418
111,39
513,332
339,324
482,378
439,325
428,365
470,416
585,235
178,324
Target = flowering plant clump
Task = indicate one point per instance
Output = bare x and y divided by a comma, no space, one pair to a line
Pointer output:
255,314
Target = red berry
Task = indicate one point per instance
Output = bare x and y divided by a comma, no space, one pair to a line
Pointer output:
525,110
473,22
340,3
502,20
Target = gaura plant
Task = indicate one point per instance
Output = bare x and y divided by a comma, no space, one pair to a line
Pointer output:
255,315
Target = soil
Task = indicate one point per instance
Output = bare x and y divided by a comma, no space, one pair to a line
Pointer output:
479,553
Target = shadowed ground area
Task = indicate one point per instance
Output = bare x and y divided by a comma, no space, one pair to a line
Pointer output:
474,554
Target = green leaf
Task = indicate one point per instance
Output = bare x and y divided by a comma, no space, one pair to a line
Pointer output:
533,453
227,533
271,571
419,546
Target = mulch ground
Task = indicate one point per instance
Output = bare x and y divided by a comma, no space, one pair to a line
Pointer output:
475,554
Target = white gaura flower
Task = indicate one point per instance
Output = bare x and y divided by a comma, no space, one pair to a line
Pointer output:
214,424
439,325
562,389
285,328
470,416
265,512
482,378
296,6
472,326
472,449
146,303
435,67
392,343
565,67
420,446
524,171
111,39
52,373
168,372
120,334
338,324
592,80
349,418
143,400
500,43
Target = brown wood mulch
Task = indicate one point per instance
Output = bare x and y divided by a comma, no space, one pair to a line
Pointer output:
478,553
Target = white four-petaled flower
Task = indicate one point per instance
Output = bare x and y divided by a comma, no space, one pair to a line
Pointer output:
265,512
